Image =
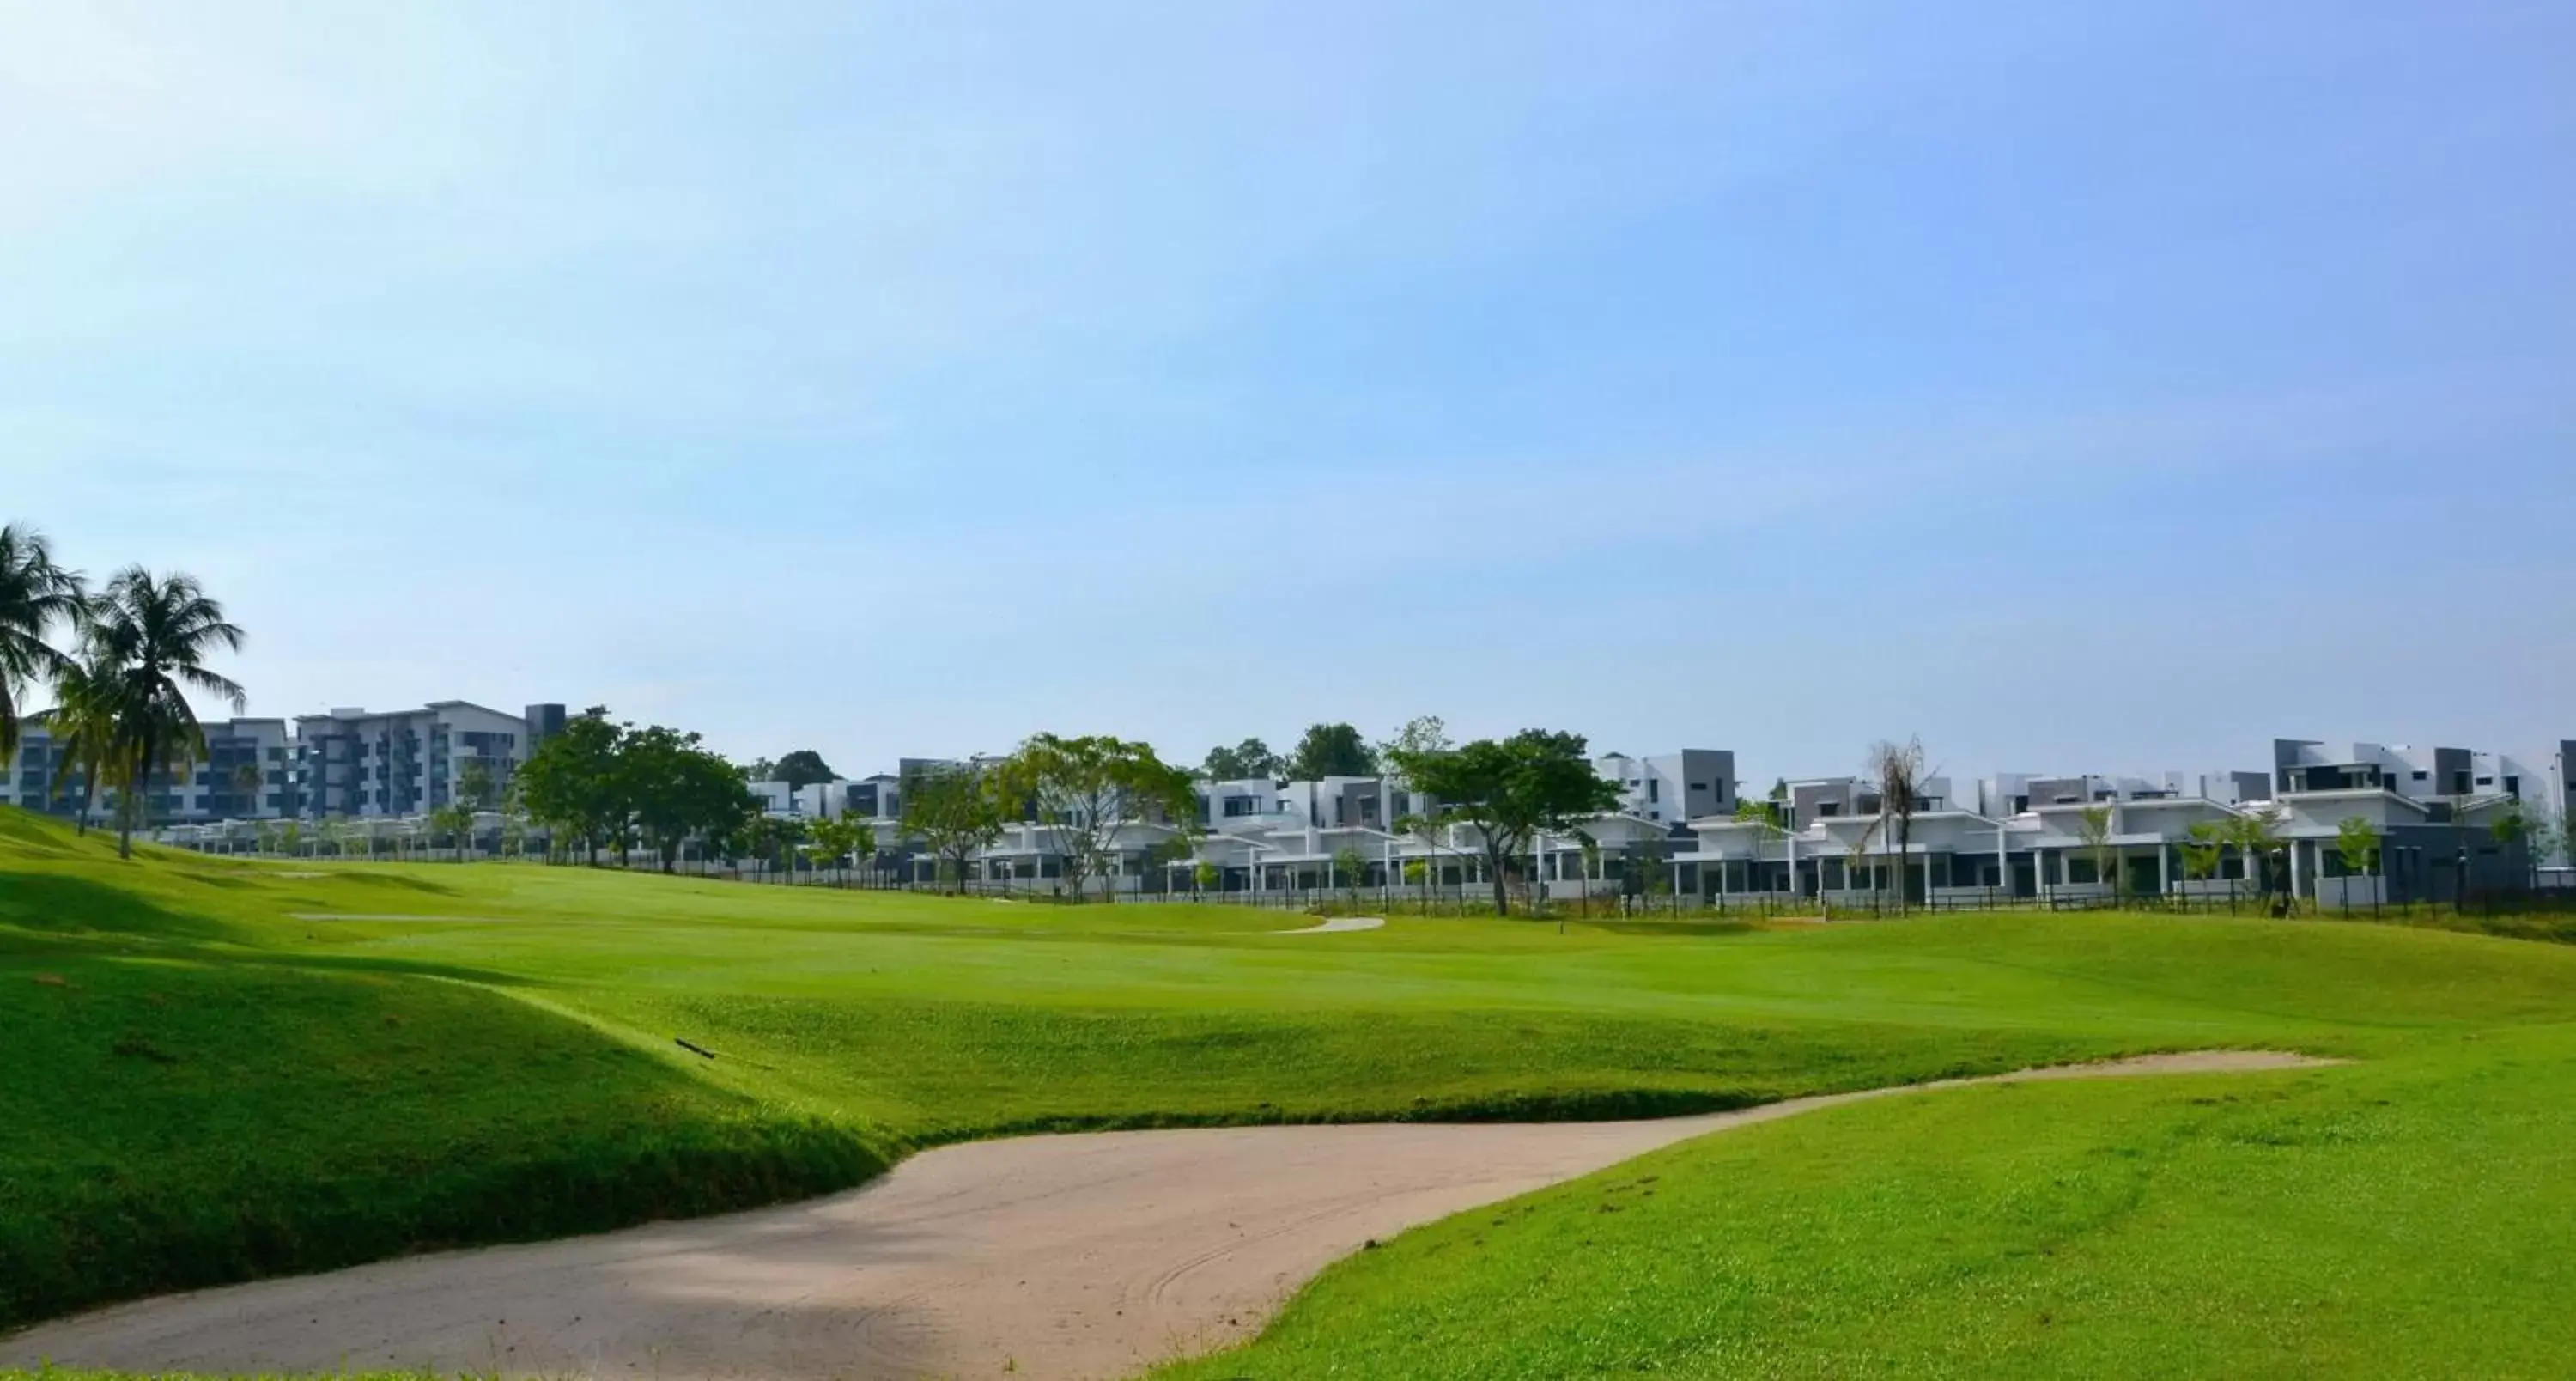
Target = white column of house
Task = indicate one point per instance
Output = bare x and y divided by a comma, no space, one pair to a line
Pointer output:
2294,867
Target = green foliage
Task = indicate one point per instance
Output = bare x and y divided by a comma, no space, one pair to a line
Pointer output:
2256,833
953,810
1087,790
1510,791
1207,876
476,787
803,768
36,594
1246,761
2357,839
457,823
832,842
1350,868
151,635
675,790
571,786
772,838
2093,826
1331,750
2203,848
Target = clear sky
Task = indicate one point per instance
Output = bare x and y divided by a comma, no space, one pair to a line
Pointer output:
2101,386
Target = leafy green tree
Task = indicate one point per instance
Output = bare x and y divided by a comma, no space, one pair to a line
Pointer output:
1087,790
1352,865
1331,750
772,839
476,787
2357,840
87,717
1207,877
672,789
2511,827
456,821
2204,845
2093,826
831,842
1511,790
1249,760
572,786
804,768
2256,833
35,595
290,838
955,811
156,634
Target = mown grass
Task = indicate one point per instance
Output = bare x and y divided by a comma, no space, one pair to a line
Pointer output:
208,1087
2404,1217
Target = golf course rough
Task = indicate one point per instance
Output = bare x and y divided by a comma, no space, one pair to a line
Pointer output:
203,1088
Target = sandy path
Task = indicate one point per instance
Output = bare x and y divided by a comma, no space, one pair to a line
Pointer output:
1338,925
1060,1256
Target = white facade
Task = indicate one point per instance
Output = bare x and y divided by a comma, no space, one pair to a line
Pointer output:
360,765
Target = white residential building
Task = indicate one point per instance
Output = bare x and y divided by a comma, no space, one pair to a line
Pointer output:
361,765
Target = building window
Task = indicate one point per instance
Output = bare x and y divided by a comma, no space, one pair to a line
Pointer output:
1654,788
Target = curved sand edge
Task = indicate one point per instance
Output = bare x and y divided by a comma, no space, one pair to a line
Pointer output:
1090,1255
1338,925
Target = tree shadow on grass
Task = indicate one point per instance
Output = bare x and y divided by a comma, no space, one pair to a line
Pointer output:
53,904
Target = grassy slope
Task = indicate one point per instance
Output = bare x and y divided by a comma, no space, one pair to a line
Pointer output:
178,1110
850,1024
2408,1217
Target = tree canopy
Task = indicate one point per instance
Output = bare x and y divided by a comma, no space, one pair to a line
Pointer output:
1511,790
603,784
803,768
953,810
1246,761
1331,750
1088,789
152,635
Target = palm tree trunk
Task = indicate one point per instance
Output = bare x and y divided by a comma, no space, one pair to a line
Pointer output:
135,787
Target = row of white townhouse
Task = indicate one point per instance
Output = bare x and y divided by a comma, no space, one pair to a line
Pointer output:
1679,827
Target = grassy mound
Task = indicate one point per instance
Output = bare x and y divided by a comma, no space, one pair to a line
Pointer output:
180,1109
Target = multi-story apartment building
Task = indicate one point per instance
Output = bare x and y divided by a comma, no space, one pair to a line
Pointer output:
346,763
248,772
363,765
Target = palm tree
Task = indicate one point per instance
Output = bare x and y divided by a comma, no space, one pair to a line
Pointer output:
156,633
34,595
84,724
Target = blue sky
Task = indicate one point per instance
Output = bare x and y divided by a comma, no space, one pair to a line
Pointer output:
2083,387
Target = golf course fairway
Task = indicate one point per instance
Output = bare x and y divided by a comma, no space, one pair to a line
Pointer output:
212,1076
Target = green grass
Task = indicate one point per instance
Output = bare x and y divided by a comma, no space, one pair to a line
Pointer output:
202,1087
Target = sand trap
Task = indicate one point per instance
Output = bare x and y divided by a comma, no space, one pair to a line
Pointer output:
350,916
1060,1256
1338,925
